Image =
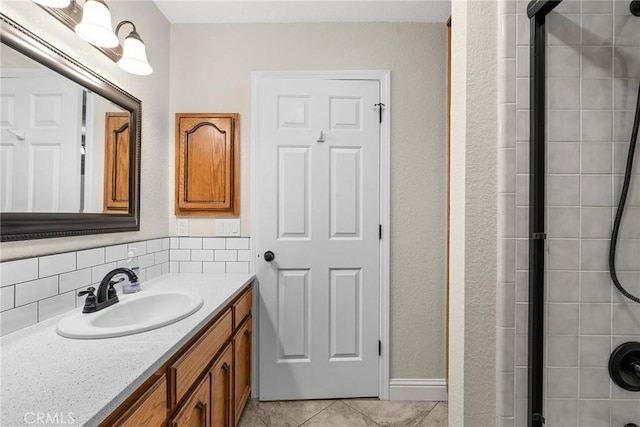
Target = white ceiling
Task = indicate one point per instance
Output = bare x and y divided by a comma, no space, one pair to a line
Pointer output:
252,11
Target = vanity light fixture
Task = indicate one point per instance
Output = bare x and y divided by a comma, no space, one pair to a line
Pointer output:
95,26
134,53
91,21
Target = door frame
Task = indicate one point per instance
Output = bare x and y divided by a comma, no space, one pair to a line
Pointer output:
383,77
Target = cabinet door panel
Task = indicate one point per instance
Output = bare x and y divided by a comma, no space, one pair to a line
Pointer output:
190,366
195,412
221,390
150,409
242,365
207,164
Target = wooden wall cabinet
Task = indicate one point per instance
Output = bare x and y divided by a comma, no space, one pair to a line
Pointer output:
205,384
207,164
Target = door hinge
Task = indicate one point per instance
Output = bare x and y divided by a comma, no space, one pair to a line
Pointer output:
379,106
379,348
380,231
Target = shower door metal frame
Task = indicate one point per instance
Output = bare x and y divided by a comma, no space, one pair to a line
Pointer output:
537,12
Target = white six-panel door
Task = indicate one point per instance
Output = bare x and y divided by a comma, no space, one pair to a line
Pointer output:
40,131
318,212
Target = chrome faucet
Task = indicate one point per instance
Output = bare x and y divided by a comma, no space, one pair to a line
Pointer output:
107,294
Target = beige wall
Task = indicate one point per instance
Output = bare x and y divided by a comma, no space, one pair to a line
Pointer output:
472,398
211,69
152,90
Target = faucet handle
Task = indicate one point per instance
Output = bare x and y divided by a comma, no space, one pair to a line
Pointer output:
111,292
91,303
89,292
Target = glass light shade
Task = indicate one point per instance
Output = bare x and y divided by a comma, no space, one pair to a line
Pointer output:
134,56
95,26
53,3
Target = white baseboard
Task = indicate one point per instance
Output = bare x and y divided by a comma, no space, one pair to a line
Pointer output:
434,389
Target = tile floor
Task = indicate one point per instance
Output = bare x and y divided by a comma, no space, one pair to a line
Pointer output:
344,413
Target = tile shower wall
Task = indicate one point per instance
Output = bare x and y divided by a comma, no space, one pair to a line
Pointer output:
36,289
593,73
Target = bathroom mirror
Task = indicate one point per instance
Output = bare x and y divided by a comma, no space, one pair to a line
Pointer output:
69,144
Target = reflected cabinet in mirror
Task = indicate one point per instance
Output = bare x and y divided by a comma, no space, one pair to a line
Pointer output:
69,144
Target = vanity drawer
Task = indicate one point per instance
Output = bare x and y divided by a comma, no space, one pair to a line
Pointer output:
242,308
186,370
149,410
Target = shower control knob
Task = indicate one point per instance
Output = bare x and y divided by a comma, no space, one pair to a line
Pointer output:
269,256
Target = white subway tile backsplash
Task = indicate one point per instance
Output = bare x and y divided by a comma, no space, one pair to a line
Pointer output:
13,272
138,248
7,297
91,257
25,299
154,245
35,290
56,305
56,264
213,267
180,254
75,280
98,272
153,272
190,267
174,267
18,318
145,261
201,255
214,243
226,255
190,243
165,268
237,243
115,253
237,267
161,257
244,255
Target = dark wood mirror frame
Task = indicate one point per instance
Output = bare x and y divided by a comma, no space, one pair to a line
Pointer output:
25,226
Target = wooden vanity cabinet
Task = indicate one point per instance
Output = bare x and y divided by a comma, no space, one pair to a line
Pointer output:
205,384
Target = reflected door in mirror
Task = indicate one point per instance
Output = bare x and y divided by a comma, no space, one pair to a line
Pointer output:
40,142
116,166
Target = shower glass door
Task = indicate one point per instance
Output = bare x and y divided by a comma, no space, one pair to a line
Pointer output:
592,78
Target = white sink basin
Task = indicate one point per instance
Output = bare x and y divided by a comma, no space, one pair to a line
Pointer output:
135,313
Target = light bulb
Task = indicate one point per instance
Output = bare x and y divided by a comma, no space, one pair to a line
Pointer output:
95,26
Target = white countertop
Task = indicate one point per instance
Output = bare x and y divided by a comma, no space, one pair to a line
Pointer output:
80,382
